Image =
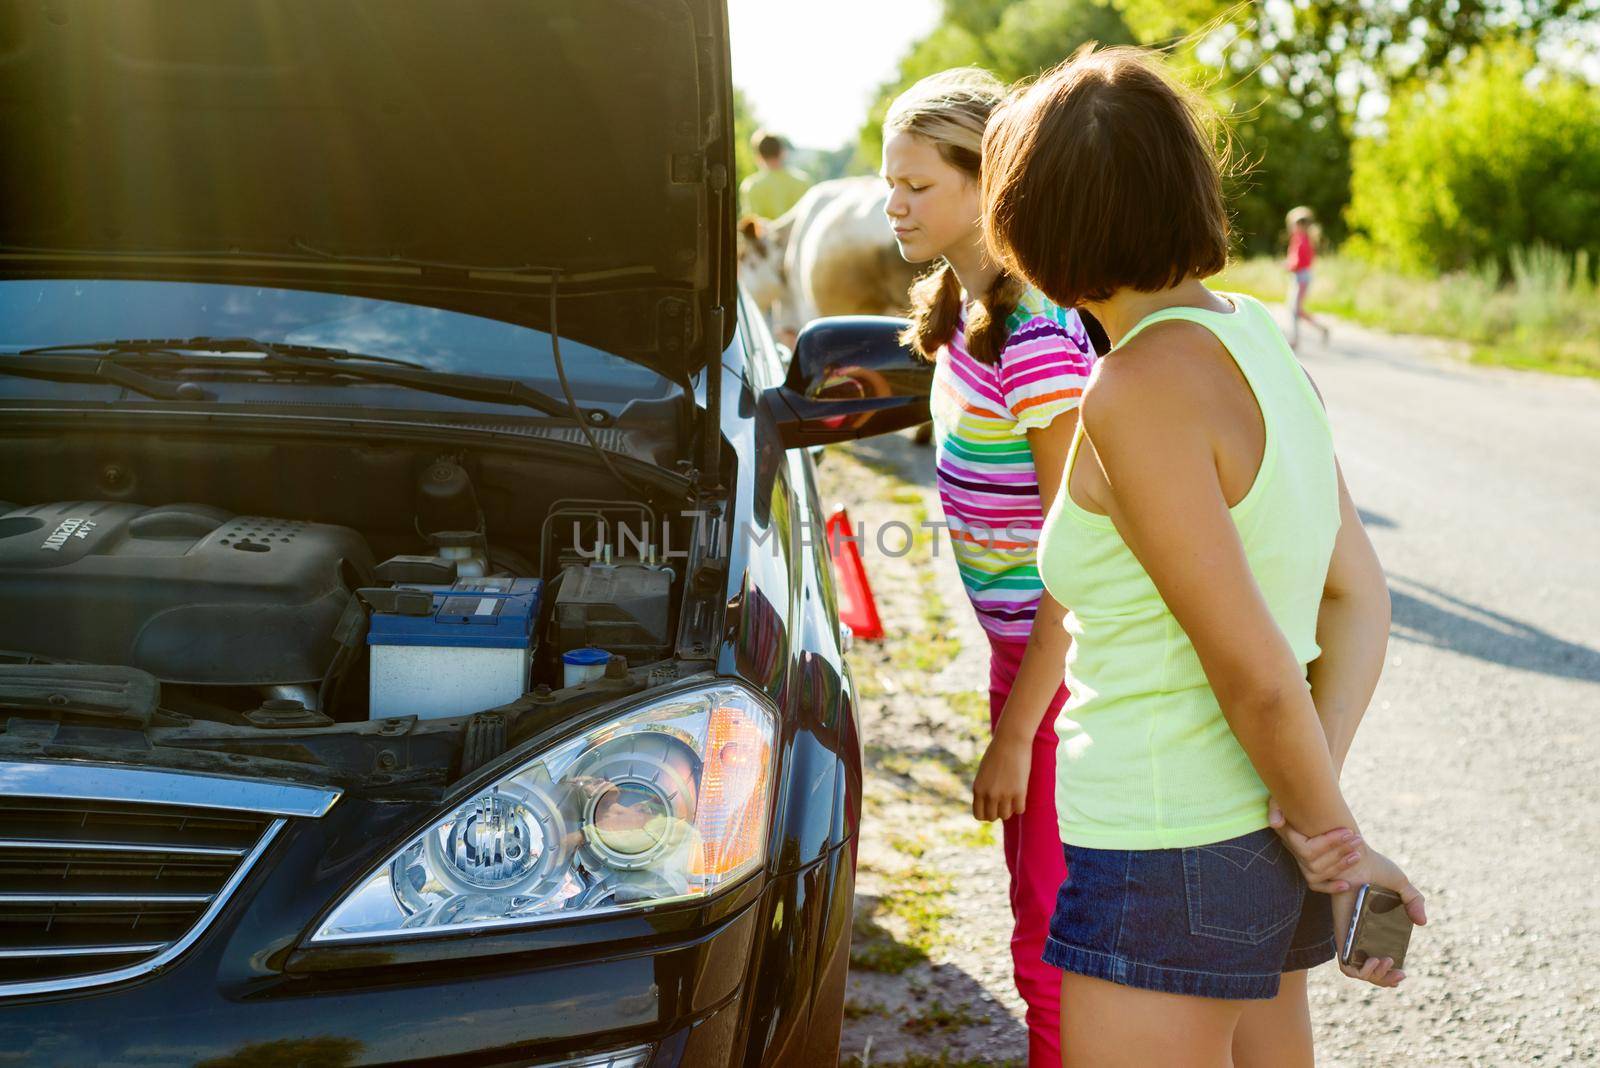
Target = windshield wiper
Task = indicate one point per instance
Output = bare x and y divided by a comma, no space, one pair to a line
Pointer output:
103,368
177,346
364,366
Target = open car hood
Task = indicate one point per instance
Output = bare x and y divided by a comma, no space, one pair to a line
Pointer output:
459,154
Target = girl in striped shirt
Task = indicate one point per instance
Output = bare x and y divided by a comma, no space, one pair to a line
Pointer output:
1009,369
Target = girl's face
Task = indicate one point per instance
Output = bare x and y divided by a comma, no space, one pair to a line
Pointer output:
933,206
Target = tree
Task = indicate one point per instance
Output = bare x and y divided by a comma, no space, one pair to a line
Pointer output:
1035,35
1014,39
744,128
1336,52
1290,153
1295,77
949,45
1495,156
1300,73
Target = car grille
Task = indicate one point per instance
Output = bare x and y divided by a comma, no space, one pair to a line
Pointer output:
88,887
108,872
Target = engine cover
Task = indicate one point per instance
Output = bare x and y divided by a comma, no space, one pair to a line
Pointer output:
188,593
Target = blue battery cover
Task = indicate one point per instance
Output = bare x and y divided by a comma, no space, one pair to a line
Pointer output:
474,613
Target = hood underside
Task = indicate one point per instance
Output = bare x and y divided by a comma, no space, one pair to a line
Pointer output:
460,154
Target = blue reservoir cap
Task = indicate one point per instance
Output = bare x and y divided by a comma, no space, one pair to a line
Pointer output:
585,657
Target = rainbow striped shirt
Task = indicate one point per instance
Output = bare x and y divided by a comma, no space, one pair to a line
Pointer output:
984,466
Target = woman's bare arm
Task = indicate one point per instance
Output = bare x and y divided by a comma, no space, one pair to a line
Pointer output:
1352,631
1353,634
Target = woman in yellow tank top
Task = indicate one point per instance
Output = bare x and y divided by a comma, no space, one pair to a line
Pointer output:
1229,617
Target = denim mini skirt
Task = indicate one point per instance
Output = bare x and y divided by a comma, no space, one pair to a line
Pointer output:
1224,920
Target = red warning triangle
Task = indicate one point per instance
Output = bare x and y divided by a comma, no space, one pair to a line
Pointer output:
856,605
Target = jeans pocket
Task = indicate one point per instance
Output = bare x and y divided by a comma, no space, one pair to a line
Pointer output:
1243,890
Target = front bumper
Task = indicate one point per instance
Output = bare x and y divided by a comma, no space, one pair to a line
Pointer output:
682,999
753,976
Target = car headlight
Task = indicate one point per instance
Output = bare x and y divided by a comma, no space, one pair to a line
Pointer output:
663,803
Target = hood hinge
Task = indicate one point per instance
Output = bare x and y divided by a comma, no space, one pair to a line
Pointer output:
711,429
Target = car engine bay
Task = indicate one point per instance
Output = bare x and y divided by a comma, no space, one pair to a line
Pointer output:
404,625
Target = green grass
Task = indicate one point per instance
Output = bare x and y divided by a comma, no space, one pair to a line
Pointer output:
933,653
885,955
855,1010
918,905
939,1017
943,774
873,949
911,847
921,904
891,761
1545,318
972,706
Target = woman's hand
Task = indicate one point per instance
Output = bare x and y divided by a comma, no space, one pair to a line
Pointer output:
1325,859
1000,789
1378,870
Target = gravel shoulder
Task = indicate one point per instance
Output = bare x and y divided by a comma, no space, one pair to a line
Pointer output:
930,980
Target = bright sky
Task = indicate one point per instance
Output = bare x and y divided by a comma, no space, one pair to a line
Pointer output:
809,67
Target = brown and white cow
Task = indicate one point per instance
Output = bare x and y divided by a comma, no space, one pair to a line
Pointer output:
833,253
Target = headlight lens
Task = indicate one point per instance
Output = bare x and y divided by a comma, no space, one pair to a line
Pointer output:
666,802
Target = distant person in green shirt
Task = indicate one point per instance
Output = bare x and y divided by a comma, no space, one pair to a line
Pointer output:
774,188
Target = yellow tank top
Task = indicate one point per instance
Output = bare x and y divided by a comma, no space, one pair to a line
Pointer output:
1146,758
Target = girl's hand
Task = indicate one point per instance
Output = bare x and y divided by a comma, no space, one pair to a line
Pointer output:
1378,870
1325,859
1000,789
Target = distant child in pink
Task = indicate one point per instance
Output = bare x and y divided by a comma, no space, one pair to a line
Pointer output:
1304,234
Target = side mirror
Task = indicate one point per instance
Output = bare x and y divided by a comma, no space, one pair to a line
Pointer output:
850,377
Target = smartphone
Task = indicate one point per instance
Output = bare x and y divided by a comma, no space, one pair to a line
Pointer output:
1379,927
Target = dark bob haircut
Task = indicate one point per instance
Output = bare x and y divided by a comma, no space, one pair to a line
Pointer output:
1102,175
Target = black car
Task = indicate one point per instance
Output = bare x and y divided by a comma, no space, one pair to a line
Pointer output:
417,639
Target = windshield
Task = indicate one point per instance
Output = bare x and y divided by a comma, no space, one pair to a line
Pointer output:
53,312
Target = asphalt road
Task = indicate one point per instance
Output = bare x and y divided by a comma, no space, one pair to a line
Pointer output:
1478,766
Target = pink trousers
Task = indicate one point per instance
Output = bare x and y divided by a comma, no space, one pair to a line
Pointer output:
1037,865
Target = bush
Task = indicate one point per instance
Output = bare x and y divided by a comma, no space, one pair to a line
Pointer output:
1499,156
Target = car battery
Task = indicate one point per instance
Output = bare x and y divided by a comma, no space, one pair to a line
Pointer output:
469,649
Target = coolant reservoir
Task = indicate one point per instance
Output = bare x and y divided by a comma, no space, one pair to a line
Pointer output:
583,665
466,550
